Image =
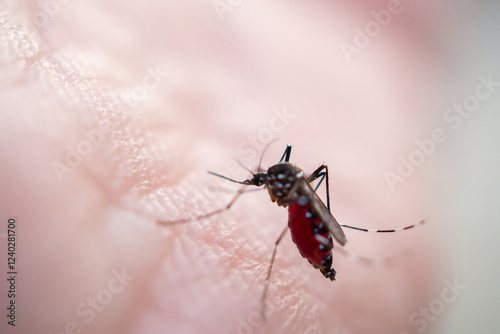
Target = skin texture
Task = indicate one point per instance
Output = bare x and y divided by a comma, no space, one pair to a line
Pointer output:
66,81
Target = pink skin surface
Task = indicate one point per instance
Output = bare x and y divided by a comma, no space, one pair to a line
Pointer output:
82,82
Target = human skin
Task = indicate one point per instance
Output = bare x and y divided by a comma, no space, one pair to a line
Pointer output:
77,229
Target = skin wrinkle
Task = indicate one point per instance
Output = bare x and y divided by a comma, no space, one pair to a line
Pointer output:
127,147
203,239
140,171
80,87
18,49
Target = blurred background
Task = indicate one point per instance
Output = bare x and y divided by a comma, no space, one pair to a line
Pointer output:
113,111
470,181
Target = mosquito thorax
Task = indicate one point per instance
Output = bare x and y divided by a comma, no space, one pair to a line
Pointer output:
280,180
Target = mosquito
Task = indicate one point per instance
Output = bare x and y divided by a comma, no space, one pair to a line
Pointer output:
311,223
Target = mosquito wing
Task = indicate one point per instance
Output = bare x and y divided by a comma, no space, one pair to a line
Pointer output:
322,211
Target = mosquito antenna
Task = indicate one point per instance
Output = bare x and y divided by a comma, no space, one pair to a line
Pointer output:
264,151
226,178
242,165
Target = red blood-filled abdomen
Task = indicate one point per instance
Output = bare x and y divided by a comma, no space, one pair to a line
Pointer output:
302,231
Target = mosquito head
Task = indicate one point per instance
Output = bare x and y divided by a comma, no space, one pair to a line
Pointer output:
258,179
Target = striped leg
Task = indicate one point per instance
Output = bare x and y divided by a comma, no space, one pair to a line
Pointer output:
319,173
384,231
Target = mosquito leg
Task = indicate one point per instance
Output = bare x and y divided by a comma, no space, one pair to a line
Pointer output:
232,191
270,270
385,231
203,216
319,173
322,176
286,154
226,178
